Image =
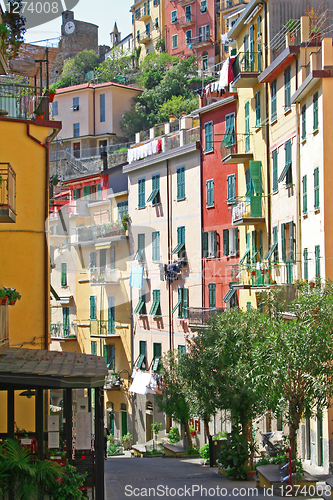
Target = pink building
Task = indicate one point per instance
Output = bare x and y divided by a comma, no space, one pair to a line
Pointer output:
190,30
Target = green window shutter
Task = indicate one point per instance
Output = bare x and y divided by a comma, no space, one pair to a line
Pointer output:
304,121
258,108
92,307
111,316
317,260
275,170
236,242
181,183
291,240
315,111
181,241
142,193
252,47
287,89
273,101
248,306
86,192
156,306
214,243
181,350
305,194
212,295
74,194
226,242
247,127
156,245
283,242
142,347
275,240
231,187
157,348
94,347
185,303
316,188
204,244
180,302
99,192
123,423
65,320
210,192
255,175
63,274
208,137
254,243
141,247
306,267
248,248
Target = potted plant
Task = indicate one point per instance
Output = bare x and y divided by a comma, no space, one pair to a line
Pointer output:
192,430
126,440
253,448
314,18
156,427
52,92
3,297
12,295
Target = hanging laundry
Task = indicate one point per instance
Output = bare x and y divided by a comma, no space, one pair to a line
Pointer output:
136,277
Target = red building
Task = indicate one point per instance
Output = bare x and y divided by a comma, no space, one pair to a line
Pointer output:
220,250
190,30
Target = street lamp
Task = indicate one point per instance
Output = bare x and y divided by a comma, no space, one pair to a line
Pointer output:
119,381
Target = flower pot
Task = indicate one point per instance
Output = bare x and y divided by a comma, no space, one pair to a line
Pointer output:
250,475
12,302
51,97
3,301
39,117
192,433
315,37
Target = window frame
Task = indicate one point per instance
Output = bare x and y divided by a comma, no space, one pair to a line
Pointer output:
102,108
287,89
315,111
274,100
210,193
208,131
316,189
76,129
304,194
257,99
181,183
155,239
231,188
174,41
303,121
141,193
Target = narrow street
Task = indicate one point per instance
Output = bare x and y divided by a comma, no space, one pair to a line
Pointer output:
127,477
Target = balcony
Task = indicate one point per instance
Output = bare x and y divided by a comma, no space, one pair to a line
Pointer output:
236,148
144,37
254,275
185,21
7,193
199,317
97,232
22,101
110,381
4,333
104,276
183,2
246,69
62,331
102,327
203,40
249,211
145,16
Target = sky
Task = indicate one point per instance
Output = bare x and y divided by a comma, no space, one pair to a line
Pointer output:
104,13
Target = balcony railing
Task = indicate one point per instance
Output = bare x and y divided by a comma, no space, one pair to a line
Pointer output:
201,40
235,148
103,328
249,211
4,333
7,193
186,20
63,331
22,101
199,317
95,232
110,380
103,275
246,68
143,37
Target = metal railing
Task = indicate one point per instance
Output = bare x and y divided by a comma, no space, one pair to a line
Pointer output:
95,232
102,327
22,101
203,38
247,62
192,135
144,36
7,187
233,143
188,18
199,317
251,207
104,275
62,330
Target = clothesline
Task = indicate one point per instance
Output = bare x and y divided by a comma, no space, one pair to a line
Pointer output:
148,149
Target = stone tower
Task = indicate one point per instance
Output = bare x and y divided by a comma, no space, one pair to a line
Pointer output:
115,36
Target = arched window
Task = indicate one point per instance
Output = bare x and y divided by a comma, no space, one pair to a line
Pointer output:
205,61
123,407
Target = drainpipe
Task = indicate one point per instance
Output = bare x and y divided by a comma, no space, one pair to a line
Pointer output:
203,262
169,253
94,111
298,191
268,173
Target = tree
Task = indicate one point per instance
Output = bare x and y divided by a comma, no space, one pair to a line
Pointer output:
116,67
176,106
298,356
12,29
76,68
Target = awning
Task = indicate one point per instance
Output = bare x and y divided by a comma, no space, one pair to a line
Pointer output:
228,295
177,305
284,172
153,195
270,251
26,66
178,248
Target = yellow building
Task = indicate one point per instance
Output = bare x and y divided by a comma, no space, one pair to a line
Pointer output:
147,25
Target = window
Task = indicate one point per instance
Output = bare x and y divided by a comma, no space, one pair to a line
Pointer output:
155,194
229,136
304,122
65,321
109,352
75,106
156,306
283,242
181,350
122,209
141,247
142,193
210,193
173,16
259,42
142,363
226,242
157,353
86,193
287,171
138,35
248,306
141,306
93,306
258,108
188,35
274,248
203,6
55,108
182,303
306,266
315,111
156,246
203,32
208,137
273,101
188,13
93,260
180,248
156,23
212,295
275,170
305,195
209,244
204,60
63,274
233,242
231,188
76,130
102,107
174,41
247,127
316,188
94,347
287,89
317,260
148,30
181,183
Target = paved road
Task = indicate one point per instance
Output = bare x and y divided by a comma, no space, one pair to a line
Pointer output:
167,478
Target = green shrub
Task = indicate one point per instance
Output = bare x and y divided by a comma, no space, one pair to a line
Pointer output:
68,487
235,455
204,451
192,451
115,449
173,435
220,435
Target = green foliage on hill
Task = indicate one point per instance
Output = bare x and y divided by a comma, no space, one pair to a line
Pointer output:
76,68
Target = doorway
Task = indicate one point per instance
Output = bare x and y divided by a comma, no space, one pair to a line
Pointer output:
76,149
